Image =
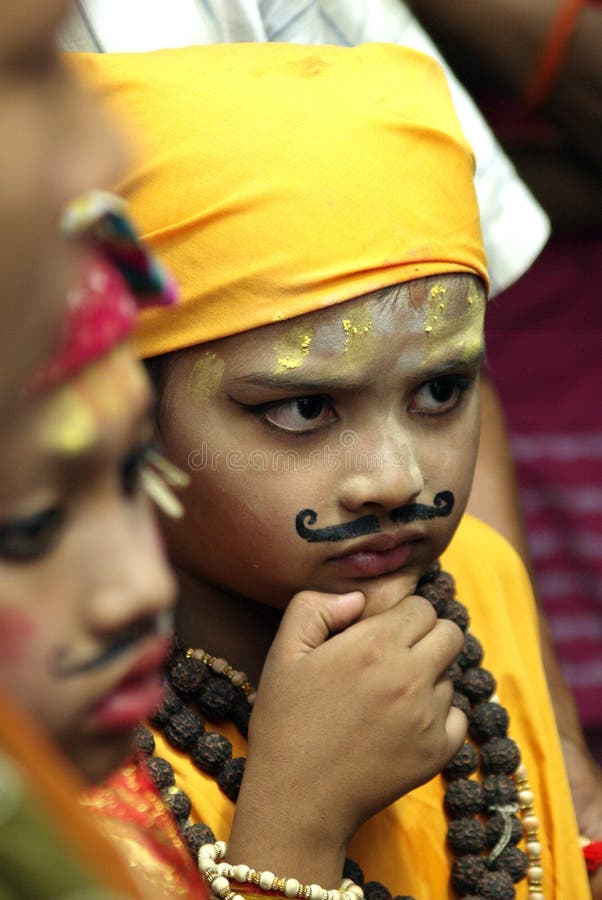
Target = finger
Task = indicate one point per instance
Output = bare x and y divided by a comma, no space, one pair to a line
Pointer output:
438,649
311,618
412,618
454,721
451,637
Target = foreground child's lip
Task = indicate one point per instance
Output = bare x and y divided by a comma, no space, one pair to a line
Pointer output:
380,556
380,543
136,695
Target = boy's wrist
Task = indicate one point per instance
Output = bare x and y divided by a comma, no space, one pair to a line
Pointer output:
290,838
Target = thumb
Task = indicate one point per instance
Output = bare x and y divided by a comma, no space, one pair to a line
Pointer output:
312,617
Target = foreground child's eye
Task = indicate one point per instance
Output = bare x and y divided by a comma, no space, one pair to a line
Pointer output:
441,395
30,538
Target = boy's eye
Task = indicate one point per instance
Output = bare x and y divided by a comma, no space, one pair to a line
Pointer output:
440,395
28,539
301,415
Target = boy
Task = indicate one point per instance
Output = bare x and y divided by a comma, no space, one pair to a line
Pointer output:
85,607
47,845
316,205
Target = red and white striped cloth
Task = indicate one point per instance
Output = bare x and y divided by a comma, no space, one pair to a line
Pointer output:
545,355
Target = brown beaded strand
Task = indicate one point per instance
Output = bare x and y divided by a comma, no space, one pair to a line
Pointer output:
222,667
484,827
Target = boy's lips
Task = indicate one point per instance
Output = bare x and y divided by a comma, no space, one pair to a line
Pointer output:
380,555
137,693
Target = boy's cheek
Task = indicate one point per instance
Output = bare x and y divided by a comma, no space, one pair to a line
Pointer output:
25,661
17,634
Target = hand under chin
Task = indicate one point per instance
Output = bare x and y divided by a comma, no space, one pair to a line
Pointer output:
385,592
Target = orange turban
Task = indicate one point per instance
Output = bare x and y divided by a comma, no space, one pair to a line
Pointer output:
277,179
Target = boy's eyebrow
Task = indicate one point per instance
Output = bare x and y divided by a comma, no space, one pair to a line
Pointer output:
344,381
288,380
471,359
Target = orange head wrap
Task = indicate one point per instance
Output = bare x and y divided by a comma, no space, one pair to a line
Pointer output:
277,179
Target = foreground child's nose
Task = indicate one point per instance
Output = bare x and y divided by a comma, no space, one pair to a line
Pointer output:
136,582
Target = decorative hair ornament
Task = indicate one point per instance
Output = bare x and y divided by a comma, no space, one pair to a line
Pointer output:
119,275
102,221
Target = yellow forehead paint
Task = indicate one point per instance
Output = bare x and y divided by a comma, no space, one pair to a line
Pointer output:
77,412
436,307
473,338
360,337
69,425
205,377
293,349
471,347
110,385
459,326
476,294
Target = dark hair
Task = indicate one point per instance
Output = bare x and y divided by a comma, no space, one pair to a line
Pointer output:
157,368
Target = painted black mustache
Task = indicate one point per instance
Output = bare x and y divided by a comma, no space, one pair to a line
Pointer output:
63,667
443,503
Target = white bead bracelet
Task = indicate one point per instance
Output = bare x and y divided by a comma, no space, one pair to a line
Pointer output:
220,873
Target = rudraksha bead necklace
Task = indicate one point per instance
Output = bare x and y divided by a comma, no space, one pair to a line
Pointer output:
484,828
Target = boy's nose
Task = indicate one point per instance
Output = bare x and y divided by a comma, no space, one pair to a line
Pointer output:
384,474
136,582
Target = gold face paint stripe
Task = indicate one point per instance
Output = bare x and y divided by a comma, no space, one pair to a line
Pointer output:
360,338
436,307
205,377
293,349
466,339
